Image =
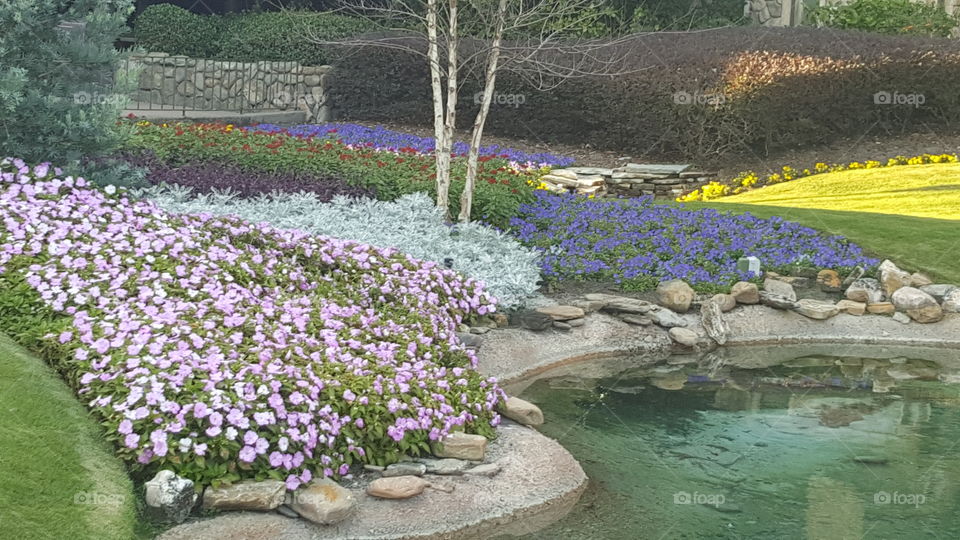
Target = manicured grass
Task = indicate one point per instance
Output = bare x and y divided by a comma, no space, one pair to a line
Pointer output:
926,191
915,243
58,477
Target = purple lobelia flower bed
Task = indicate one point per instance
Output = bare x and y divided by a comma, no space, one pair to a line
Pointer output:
381,138
637,243
224,349
205,177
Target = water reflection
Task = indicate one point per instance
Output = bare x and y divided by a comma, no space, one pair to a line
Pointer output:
796,444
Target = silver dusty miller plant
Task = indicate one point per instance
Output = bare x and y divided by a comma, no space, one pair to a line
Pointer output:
412,224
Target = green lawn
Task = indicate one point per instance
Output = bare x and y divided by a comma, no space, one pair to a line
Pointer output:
58,477
927,191
909,214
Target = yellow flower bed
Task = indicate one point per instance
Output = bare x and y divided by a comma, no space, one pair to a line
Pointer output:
749,180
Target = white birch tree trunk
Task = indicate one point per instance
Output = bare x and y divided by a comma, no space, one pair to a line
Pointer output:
441,158
476,135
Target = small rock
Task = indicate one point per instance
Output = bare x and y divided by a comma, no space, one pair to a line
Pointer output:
461,445
829,280
169,497
892,278
562,313
666,318
576,323
405,468
856,274
684,336
919,305
779,288
562,326
479,330
445,467
851,308
374,468
901,317
726,302
324,501
442,486
918,280
521,411
745,292
636,319
501,319
866,290
939,292
713,322
675,295
620,304
285,510
795,281
589,306
881,308
777,301
536,321
249,495
471,341
951,301
816,309
397,487
487,469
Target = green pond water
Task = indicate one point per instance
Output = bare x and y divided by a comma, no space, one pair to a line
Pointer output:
806,442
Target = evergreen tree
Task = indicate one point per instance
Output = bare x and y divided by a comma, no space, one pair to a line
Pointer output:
60,96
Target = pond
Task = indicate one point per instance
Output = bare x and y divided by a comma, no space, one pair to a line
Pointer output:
801,442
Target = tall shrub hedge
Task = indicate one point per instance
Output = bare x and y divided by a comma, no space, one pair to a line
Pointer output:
753,90
250,37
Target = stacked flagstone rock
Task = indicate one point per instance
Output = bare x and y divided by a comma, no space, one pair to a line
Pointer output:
630,180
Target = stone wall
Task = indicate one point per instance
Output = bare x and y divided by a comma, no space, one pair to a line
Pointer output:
192,83
631,180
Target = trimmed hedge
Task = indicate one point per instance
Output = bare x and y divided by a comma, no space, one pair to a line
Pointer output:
780,86
250,37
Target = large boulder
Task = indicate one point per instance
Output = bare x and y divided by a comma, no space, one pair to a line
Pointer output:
521,411
249,495
324,501
745,292
461,445
919,305
675,295
816,309
169,497
865,290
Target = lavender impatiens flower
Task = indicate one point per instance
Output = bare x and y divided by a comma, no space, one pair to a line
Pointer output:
255,348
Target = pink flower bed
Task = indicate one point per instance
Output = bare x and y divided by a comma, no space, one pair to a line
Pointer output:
224,349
